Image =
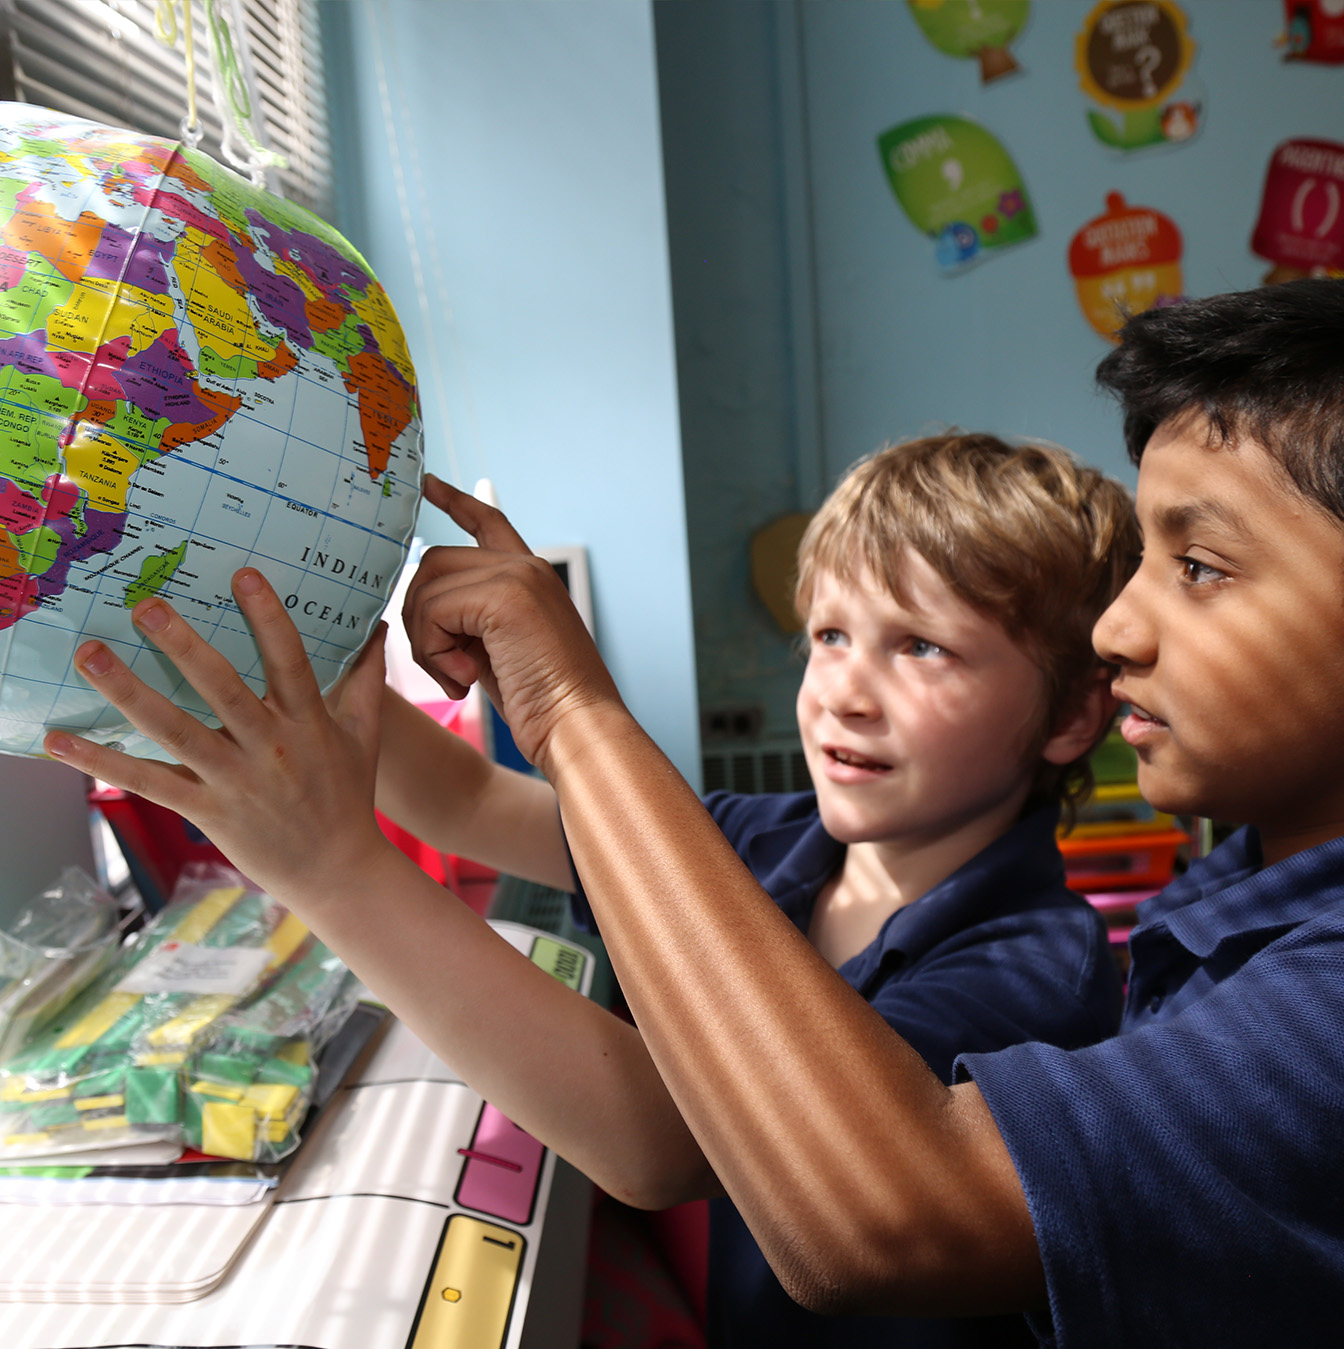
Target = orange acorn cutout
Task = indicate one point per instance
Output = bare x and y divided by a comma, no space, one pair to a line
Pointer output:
1124,262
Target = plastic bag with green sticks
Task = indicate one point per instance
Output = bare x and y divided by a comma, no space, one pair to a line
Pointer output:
118,1065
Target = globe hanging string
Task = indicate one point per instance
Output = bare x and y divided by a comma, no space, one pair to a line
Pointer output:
165,27
234,88
242,144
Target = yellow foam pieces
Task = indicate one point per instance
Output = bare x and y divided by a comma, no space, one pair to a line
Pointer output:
105,1122
277,1107
206,912
27,1140
98,1020
286,938
16,1089
270,1098
100,1102
192,1019
218,1091
228,1130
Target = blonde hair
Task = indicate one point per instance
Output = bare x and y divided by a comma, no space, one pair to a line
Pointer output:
1025,534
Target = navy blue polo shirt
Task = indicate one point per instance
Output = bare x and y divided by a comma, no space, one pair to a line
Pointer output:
1186,1178
999,952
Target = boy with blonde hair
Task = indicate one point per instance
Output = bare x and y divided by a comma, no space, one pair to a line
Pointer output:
947,589
950,700
1003,526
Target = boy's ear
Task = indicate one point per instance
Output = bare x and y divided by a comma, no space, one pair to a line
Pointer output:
1081,727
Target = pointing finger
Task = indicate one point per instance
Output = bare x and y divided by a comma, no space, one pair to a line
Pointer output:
488,525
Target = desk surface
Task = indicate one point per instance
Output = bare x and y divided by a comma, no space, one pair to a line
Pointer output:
413,1215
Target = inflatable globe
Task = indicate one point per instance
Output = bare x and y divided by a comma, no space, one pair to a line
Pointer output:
195,375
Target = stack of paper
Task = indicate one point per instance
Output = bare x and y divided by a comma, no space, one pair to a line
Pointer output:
118,1253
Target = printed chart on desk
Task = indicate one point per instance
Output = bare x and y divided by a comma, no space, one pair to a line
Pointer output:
414,1215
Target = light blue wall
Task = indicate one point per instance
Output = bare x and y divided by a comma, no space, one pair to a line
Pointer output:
1005,345
501,168
746,370
813,324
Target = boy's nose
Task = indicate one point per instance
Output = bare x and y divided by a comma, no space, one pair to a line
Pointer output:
1122,635
847,694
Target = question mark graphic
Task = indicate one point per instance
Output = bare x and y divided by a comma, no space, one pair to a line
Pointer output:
1147,59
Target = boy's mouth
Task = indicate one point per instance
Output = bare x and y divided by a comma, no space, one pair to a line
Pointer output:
852,759
1139,724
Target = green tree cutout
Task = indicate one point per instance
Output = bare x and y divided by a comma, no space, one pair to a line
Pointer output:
974,28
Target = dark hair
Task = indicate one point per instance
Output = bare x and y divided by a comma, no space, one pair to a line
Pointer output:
1265,365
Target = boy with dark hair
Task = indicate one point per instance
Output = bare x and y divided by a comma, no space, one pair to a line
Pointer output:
1183,1179
1178,1184
951,696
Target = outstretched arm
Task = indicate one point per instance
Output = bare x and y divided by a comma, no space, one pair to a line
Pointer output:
869,1185
286,791
436,785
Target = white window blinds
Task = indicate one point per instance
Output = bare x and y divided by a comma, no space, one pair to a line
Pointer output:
101,59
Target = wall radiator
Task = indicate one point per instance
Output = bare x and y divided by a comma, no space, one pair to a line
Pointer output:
762,766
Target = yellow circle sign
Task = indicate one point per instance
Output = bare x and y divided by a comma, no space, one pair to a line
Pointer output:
1132,54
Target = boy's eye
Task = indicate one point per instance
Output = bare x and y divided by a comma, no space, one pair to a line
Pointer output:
828,637
1195,572
921,646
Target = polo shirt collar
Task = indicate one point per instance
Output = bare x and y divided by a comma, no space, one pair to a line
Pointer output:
1231,894
795,859
1024,863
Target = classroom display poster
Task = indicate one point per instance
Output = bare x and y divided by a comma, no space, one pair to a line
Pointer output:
1300,229
1133,59
978,29
1126,260
959,187
1313,31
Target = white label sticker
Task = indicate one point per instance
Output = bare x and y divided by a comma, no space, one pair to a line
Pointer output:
181,967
